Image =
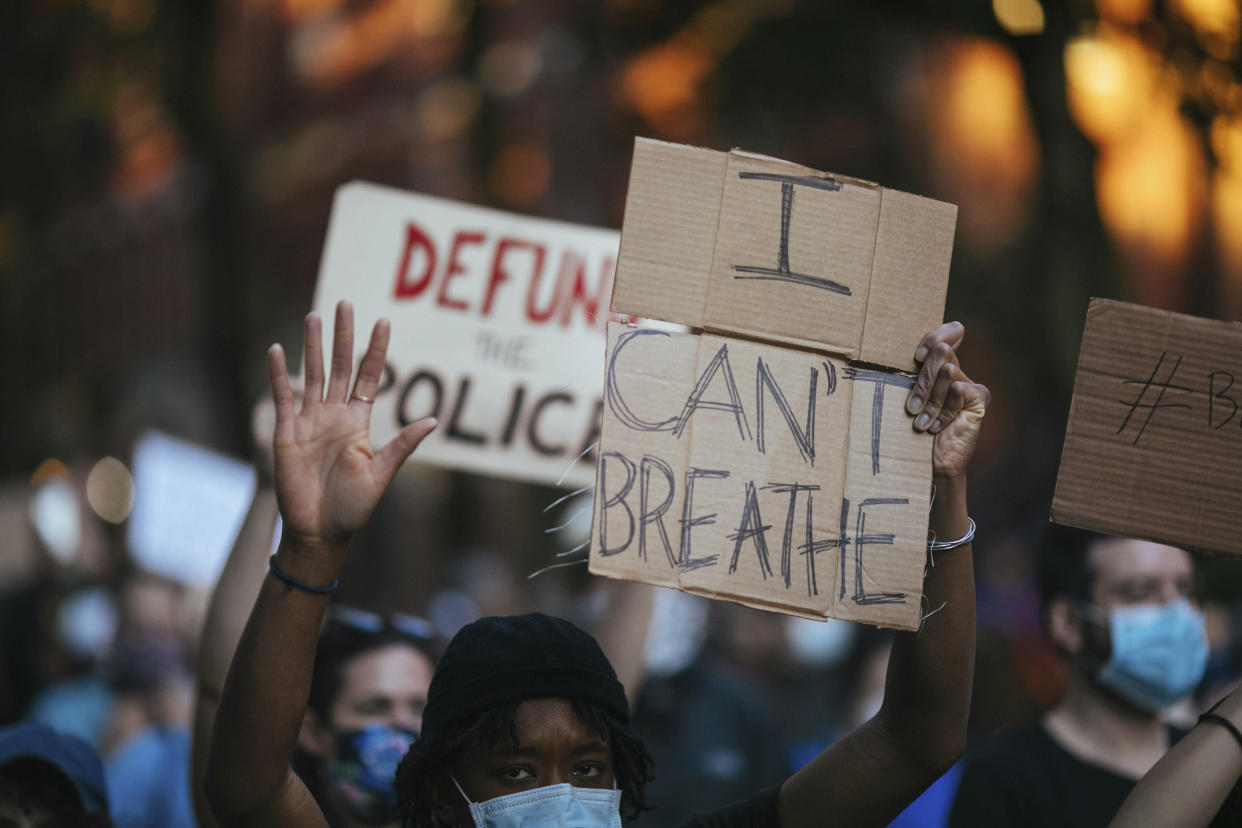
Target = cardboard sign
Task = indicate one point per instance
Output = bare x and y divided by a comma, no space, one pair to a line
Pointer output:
497,327
1153,449
745,244
769,460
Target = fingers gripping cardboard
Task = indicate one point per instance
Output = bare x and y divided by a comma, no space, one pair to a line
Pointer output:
769,460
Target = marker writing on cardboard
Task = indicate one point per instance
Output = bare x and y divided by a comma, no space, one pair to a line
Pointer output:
751,529
766,387
1158,392
783,272
880,379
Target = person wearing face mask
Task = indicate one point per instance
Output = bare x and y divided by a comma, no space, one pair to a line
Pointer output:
529,714
1125,615
363,712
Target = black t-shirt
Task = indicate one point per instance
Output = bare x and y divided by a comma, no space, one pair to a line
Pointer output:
1027,779
762,810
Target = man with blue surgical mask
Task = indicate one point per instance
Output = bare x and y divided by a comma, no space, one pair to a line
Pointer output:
1125,615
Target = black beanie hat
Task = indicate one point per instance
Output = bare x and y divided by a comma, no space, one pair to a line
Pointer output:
495,661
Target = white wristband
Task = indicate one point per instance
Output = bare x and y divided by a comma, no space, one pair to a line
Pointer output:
943,546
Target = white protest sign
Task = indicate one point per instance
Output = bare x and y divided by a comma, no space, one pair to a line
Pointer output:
498,327
189,504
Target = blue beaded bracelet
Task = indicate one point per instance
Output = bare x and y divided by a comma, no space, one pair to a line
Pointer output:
271,564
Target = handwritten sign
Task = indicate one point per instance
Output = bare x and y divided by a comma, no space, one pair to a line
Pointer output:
1153,447
497,327
769,460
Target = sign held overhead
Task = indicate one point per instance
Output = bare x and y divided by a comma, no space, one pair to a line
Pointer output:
769,460
1152,448
497,327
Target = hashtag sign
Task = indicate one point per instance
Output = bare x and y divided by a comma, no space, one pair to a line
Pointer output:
1159,389
1153,446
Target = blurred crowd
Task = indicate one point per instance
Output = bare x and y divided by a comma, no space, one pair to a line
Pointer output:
166,172
95,646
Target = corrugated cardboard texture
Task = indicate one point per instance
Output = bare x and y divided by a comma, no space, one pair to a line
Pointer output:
909,277
742,244
772,489
1153,447
672,208
767,280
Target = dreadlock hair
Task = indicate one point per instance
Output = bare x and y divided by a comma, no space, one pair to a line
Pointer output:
428,759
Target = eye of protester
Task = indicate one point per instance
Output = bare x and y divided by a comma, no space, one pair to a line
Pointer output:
516,773
589,770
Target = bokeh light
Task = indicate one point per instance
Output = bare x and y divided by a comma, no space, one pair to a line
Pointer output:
1124,11
1216,22
1019,17
1150,186
110,490
1110,80
663,84
983,153
49,469
508,68
520,174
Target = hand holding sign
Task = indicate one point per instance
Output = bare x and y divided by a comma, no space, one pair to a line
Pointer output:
768,459
946,402
328,478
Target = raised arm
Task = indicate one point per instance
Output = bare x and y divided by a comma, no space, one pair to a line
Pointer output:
230,603
328,481
622,632
873,773
1189,784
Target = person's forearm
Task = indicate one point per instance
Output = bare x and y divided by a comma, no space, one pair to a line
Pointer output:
233,596
268,683
1187,786
236,591
622,632
930,672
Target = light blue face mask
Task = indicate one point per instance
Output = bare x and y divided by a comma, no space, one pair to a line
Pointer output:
552,806
1159,653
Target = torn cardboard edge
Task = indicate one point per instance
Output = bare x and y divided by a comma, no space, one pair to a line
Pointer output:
679,223
1152,449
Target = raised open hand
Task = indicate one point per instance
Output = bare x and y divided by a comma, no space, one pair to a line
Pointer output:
328,478
946,402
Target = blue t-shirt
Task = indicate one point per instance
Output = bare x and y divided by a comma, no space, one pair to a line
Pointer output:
149,780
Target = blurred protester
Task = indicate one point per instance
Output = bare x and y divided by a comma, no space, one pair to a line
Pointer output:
148,744
1195,784
708,727
526,721
364,710
57,618
1125,615
75,635
48,780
